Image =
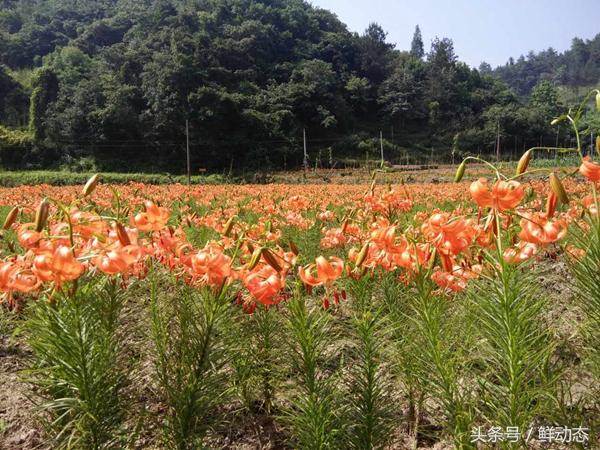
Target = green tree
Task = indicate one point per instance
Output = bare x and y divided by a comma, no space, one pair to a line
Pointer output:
544,97
441,87
374,53
416,46
45,91
13,100
401,94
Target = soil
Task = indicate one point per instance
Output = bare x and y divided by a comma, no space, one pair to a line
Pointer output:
18,428
441,173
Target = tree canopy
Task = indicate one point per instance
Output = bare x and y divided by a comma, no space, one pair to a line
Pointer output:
113,82
576,67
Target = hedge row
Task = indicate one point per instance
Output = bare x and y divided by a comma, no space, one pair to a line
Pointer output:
56,178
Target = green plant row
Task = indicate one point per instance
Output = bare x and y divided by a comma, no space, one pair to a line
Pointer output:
58,178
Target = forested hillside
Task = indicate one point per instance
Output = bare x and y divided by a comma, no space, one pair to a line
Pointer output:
579,66
110,84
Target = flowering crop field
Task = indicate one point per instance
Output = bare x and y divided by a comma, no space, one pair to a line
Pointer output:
301,316
376,315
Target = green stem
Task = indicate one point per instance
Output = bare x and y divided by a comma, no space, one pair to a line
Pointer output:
543,169
475,158
498,237
596,203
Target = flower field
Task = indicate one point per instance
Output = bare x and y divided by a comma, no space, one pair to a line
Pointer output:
340,316
380,315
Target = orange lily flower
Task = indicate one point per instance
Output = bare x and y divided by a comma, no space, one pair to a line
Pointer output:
447,280
87,224
7,269
397,200
295,219
155,218
449,236
265,285
385,237
326,216
414,256
211,266
326,271
28,237
334,237
537,229
523,252
590,169
504,195
457,279
403,255
575,252
24,280
59,265
118,260
13,277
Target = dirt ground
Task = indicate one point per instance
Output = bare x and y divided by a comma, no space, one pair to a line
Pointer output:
441,173
18,429
394,175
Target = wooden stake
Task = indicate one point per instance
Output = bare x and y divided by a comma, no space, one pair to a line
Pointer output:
305,153
381,146
187,148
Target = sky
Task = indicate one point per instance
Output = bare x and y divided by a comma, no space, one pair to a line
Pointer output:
482,30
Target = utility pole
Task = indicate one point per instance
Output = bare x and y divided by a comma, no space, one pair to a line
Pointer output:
381,146
498,143
305,153
187,149
556,144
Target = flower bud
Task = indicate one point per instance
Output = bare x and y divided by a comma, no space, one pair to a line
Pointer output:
294,248
11,218
598,145
228,227
558,188
344,225
460,172
122,234
524,162
90,185
255,258
598,100
271,259
362,255
551,204
41,215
